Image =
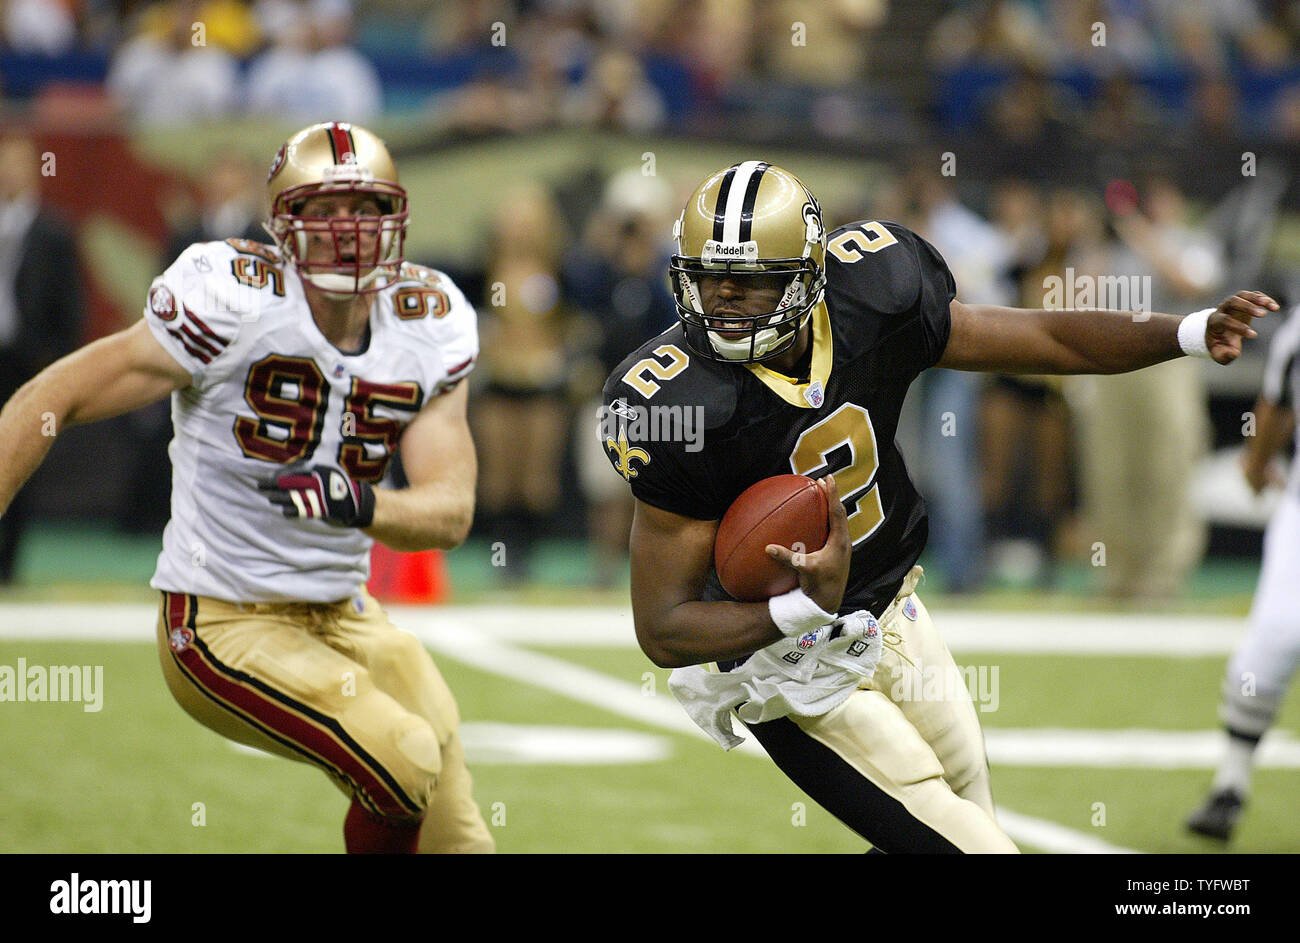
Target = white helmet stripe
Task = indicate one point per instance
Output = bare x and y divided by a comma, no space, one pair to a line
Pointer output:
736,199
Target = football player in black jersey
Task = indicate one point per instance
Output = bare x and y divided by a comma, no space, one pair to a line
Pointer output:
794,352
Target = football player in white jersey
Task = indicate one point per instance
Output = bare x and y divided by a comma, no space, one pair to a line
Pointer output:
1265,660
295,372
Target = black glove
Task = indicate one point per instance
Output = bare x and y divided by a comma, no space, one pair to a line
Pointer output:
323,492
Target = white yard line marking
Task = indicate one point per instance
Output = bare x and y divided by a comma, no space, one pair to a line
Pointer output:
1133,748
485,637
597,627
627,699
1054,838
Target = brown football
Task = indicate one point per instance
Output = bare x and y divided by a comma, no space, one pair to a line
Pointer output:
789,510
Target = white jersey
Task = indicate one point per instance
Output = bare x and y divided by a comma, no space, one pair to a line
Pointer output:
270,390
1281,385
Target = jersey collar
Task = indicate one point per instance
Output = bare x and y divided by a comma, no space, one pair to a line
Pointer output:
804,395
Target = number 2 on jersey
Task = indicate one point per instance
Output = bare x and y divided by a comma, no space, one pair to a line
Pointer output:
850,425
647,387
849,245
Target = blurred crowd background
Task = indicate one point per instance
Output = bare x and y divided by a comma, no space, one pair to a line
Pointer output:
1151,141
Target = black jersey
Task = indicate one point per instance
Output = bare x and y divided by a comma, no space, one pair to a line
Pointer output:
690,434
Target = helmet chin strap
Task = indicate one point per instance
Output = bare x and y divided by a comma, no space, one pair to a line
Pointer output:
333,284
338,286
766,340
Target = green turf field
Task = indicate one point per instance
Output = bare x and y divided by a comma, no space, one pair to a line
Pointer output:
139,776
576,745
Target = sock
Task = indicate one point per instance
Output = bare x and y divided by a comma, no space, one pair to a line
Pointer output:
367,834
1237,765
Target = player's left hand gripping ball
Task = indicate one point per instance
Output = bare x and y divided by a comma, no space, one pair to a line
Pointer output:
322,492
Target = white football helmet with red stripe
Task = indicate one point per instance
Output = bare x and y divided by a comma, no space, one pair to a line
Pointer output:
359,249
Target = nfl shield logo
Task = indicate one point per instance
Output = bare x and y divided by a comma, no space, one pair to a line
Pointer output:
180,639
814,394
873,627
909,609
808,641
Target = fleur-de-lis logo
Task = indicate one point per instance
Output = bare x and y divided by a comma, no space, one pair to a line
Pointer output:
625,455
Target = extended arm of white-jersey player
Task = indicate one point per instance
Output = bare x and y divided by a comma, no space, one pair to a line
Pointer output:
441,466
107,378
1274,425
1017,340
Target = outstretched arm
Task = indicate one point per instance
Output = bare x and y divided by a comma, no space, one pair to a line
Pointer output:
111,376
1018,340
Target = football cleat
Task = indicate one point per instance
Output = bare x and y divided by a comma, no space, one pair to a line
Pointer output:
751,221
362,252
1218,816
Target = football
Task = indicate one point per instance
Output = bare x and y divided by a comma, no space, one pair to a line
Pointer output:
789,510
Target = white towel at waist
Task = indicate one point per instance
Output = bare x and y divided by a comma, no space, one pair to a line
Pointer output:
807,677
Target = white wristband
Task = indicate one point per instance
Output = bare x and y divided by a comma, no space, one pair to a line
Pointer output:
1191,333
796,614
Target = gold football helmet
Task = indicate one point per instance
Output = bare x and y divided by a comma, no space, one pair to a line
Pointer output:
751,220
331,159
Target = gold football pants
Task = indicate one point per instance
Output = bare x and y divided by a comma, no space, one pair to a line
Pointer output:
335,685
902,761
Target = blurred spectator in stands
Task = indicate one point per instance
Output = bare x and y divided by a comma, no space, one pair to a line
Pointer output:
1144,433
615,95
1205,34
617,277
1122,115
1284,118
1027,432
168,74
231,25
989,33
1030,117
230,206
41,308
1103,36
835,40
41,27
521,410
517,87
716,38
469,24
312,72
